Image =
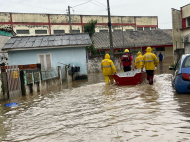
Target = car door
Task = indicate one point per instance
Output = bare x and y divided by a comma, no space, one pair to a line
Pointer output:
176,71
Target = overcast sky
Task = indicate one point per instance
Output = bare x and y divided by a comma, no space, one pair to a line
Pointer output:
160,8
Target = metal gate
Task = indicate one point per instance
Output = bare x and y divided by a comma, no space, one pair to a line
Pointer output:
13,81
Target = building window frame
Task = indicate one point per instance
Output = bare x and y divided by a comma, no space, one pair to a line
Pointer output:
57,31
22,31
153,28
128,30
44,64
103,30
146,28
40,31
76,31
140,28
188,21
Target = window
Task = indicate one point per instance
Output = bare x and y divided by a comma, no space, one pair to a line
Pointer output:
129,30
46,61
188,21
117,30
147,28
75,31
160,49
186,62
139,28
22,32
59,31
153,28
103,30
40,31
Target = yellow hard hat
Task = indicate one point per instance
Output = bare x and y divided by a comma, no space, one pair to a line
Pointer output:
126,50
148,49
139,53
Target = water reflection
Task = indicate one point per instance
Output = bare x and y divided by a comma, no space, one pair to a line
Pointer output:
88,110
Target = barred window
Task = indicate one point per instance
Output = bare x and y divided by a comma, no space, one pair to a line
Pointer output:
46,61
147,28
153,28
117,30
139,28
59,31
22,32
75,31
188,21
103,30
40,31
129,30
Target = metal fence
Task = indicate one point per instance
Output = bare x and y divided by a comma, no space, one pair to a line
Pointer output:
53,73
13,81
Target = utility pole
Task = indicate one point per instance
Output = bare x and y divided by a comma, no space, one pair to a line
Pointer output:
69,19
122,30
110,33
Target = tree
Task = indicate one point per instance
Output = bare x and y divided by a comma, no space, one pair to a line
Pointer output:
90,29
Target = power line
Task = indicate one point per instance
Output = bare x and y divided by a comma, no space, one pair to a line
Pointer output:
33,6
81,4
100,3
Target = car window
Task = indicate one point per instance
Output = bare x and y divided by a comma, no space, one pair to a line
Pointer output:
186,62
178,64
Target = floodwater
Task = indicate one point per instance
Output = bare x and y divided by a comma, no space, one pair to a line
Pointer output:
89,111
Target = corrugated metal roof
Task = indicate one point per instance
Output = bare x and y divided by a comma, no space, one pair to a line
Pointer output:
133,38
47,41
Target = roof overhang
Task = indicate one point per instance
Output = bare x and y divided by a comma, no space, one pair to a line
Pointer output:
40,48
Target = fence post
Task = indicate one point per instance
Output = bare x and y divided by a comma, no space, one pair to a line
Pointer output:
68,77
4,85
59,74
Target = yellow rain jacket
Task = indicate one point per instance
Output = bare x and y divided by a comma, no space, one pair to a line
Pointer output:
139,61
107,66
150,60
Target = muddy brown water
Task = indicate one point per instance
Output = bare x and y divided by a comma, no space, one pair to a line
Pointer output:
89,111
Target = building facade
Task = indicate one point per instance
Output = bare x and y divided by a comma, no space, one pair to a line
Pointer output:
181,30
50,51
159,40
28,24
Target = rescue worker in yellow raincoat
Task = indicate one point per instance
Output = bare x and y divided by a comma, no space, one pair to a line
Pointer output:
139,61
108,69
150,62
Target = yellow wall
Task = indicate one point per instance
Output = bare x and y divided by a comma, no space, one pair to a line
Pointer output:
186,11
146,21
168,51
5,17
63,18
36,18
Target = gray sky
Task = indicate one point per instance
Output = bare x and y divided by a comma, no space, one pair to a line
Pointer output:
160,8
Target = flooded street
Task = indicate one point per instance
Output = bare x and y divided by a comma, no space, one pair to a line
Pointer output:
89,111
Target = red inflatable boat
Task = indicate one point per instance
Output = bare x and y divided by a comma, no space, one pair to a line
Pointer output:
130,78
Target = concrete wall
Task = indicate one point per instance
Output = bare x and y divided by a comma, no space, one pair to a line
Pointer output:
29,21
3,40
168,51
73,55
186,11
94,63
176,26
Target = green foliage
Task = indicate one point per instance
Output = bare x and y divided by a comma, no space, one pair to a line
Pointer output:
90,29
172,65
92,49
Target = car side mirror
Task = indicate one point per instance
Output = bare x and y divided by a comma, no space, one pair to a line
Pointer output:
171,68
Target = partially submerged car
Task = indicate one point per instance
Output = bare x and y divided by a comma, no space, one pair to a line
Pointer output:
181,76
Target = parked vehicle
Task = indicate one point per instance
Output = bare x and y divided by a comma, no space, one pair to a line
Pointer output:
181,76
